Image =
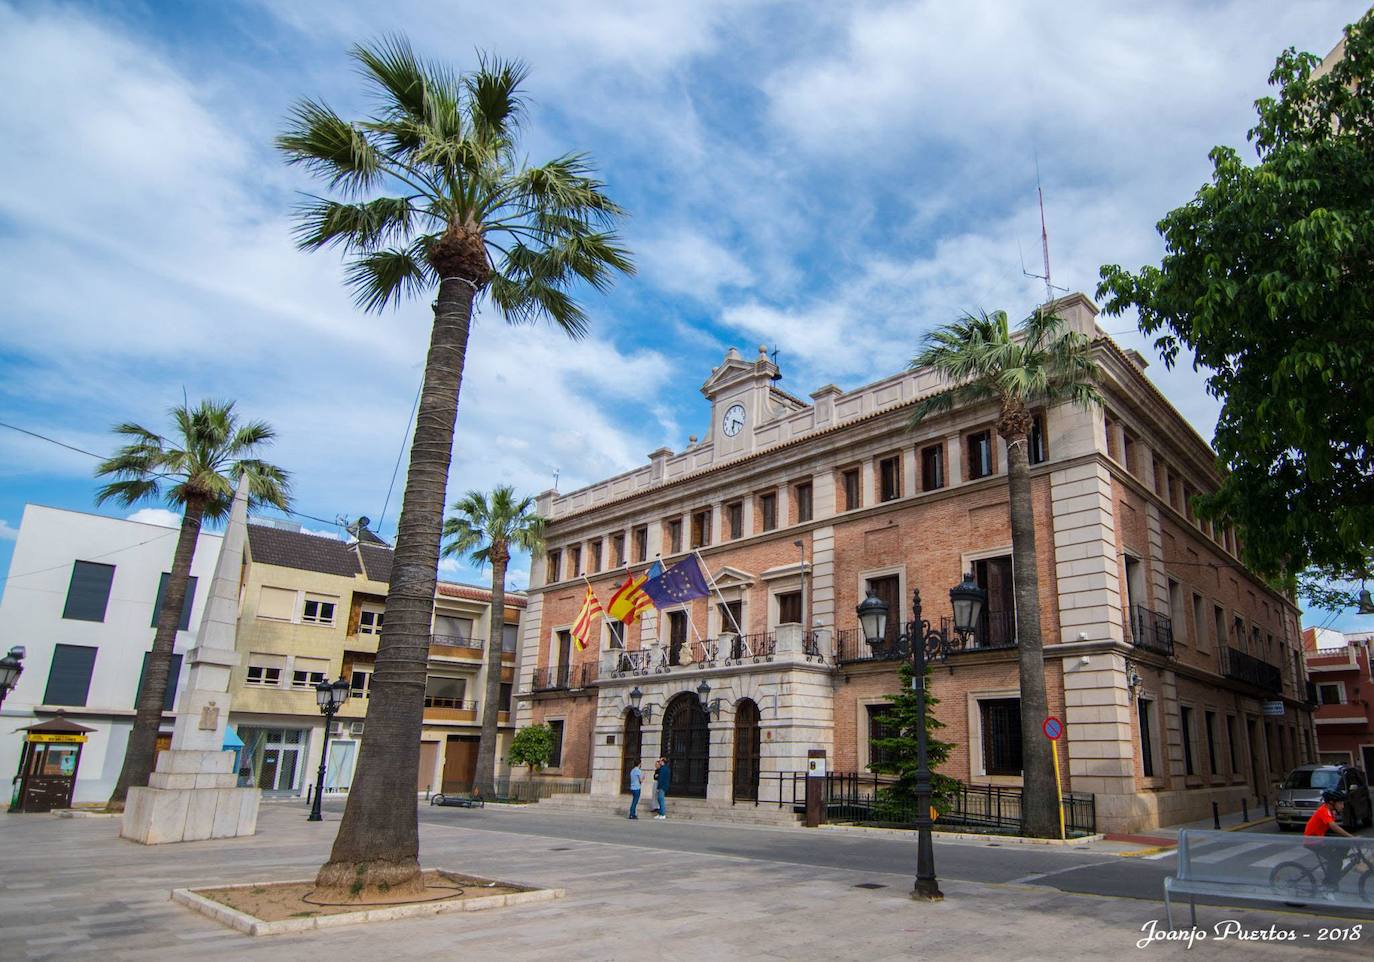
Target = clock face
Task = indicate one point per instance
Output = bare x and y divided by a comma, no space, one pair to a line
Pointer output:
733,421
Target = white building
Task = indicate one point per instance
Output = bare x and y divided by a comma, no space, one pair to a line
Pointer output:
82,597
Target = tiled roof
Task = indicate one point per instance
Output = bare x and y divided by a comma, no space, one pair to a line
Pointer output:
307,552
376,562
451,589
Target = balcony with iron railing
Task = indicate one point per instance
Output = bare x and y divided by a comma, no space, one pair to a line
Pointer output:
440,708
1152,631
786,643
996,630
1242,667
563,677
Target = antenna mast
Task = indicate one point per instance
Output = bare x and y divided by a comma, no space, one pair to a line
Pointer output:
1044,242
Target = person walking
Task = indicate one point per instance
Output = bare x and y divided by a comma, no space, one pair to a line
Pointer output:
657,765
636,783
661,778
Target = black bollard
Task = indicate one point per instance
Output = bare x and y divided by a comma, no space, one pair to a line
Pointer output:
1245,809
1216,816
1266,805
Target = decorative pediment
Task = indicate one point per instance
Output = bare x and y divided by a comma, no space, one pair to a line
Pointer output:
784,571
735,368
728,577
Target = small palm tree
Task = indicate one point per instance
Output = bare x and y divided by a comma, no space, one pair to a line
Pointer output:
435,200
484,530
196,471
1041,363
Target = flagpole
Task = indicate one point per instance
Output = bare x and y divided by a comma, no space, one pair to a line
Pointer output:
716,588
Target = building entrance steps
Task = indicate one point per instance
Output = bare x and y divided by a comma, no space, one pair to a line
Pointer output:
699,809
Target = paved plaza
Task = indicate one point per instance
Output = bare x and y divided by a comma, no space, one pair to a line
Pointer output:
72,890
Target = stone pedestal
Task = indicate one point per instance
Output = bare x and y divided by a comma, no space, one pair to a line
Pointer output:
191,796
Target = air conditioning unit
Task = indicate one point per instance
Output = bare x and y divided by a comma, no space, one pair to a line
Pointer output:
335,728
356,727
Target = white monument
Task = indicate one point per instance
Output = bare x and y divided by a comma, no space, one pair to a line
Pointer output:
193,793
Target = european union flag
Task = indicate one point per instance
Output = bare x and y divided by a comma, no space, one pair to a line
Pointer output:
682,582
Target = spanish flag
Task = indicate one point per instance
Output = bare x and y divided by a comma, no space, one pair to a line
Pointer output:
629,600
582,627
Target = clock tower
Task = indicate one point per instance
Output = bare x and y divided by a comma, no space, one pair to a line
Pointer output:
739,392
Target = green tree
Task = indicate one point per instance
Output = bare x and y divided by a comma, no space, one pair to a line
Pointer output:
434,200
532,746
1040,364
1266,279
484,530
899,751
195,472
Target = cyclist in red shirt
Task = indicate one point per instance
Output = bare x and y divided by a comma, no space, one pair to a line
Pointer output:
1327,819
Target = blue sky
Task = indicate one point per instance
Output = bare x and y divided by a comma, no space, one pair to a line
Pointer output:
829,179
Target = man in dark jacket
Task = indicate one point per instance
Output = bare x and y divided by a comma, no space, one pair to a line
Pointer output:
661,777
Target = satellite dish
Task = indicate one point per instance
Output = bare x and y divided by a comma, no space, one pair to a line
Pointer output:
364,521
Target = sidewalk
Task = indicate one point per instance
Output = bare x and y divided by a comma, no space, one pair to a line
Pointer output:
73,891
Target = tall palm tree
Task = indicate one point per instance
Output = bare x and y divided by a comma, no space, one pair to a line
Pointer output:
1041,363
484,530
195,471
433,199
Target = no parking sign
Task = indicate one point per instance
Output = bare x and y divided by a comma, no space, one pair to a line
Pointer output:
1053,728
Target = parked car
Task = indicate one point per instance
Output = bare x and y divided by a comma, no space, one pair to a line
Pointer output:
1302,793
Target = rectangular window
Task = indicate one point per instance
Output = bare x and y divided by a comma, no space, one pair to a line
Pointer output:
370,621
734,515
1147,759
701,528
789,608
594,562
1036,451
276,604
265,670
674,536
851,489
1232,748
1159,482
169,695
616,632
1199,622
308,672
933,467
1210,720
1176,608
890,478
1219,623
888,590
575,556
979,455
801,495
1128,453
881,725
677,636
359,683
731,616
69,678
997,626
186,604
564,650
510,635
1187,724
1328,694
768,509
319,609
449,630
617,550
1001,736
507,690
556,758
552,565
89,591
640,537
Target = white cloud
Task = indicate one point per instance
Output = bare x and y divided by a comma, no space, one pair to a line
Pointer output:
685,261
158,516
7,532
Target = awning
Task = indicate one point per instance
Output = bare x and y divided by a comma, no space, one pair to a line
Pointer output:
231,739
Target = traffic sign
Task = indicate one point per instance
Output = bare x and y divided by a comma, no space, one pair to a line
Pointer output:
1053,728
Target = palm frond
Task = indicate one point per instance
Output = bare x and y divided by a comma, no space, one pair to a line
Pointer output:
384,278
495,107
365,226
331,148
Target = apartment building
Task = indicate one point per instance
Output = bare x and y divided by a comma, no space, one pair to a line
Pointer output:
82,596
314,608
1342,688
1176,671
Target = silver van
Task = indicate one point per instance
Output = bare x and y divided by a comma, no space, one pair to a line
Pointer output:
1302,793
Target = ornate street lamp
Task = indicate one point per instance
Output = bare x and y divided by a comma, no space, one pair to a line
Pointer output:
925,644
11,667
330,697
704,696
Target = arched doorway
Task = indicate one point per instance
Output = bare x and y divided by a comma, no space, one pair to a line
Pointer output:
632,742
746,751
687,745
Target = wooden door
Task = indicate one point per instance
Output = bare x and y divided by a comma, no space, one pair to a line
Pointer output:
632,746
677,636
460,763
687,745
889,591
747,751
429,754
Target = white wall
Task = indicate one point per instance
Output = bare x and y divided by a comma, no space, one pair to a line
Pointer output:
50,540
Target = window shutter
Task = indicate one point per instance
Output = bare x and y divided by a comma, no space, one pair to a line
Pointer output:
89,591
69,678
278,604
169,698
186,606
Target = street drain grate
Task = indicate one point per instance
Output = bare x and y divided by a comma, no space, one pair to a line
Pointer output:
870,885
563,848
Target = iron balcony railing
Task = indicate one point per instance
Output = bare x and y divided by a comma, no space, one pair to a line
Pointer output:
1152,631
438,701
1240,666
996,630
456,641
563,677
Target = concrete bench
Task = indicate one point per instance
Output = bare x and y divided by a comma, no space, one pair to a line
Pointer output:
1267,868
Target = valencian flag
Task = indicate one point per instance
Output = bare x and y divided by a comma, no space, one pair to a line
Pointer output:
582,627
682,582
629,601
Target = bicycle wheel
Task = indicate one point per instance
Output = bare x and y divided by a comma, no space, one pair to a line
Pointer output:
1293,880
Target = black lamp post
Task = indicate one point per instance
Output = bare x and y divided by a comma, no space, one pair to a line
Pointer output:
11,667
704,697
924,644
330,697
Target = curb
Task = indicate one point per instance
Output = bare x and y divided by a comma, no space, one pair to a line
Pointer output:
963,836
1240,827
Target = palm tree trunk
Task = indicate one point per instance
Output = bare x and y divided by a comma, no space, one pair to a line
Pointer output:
141,751
378,844
485,780
1039,800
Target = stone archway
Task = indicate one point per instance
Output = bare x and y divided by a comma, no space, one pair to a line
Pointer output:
632,746
747,750
687,745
